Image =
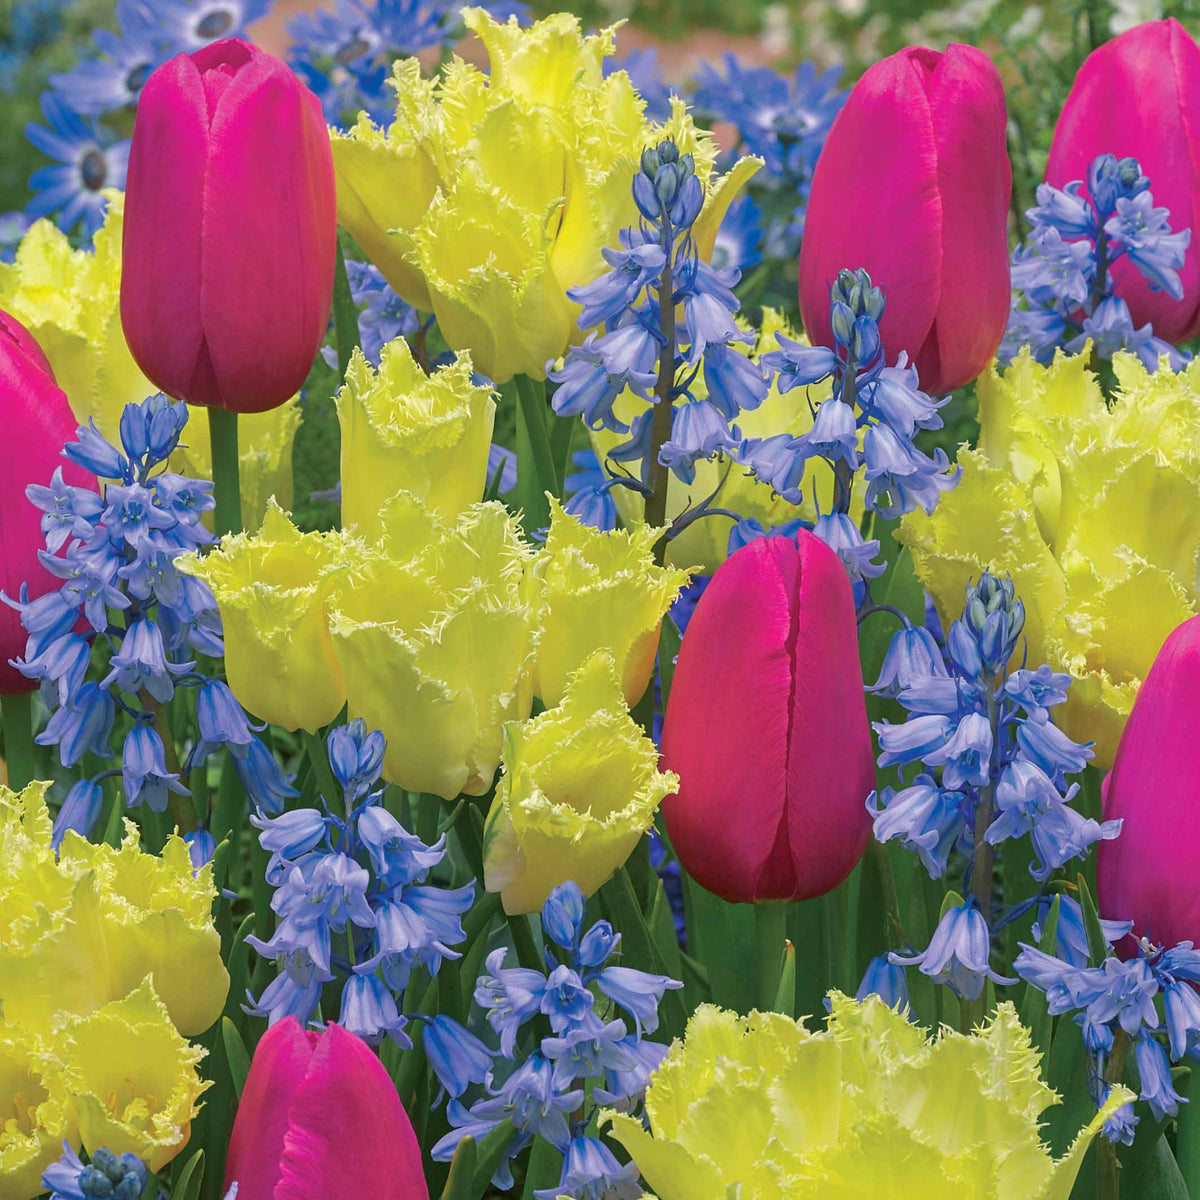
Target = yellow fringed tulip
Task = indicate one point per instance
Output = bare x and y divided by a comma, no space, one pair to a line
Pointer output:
85,927
703,545
1095,512
760,1108
403,429
599,591
131,1081
433,628
272,589
70,301
33,1118
493,193
581,785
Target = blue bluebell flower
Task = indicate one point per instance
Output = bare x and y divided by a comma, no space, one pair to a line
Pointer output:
928,819
144,770
201,847
957,954
885,979
80,811
87,160
1062,277
589,1053
263,778
591,1172
107,1177
356,757
369,1010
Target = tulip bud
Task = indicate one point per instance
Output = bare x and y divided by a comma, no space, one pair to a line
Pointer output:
913,184
320,1116
37,424
766,727
230,229
1138,96
1147,875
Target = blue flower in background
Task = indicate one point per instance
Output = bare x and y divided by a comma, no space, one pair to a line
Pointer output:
187,25
739,243
115,80
88,161
641,65
13,227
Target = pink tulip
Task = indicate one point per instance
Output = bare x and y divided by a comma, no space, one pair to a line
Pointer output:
319,1116
37,423
230,229
766,726
1148,874
1138,96
913,184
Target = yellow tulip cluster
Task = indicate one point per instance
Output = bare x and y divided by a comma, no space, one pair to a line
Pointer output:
108,963
761,1108
494,192
1093,510
70,301
703,545
434,620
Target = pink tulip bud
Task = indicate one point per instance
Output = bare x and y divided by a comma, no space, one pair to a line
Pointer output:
1138,96
1148,874
230,229
37,423
766,726
319,1116
913,184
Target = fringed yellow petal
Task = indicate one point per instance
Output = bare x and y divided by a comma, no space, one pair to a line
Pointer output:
581,785
273,590
760,1108
600,591
35,1118
1092,510
429,434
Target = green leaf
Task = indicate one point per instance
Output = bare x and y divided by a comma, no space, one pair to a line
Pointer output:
187,1187
1156,1176
536,472
721,936
668,650
460,1184
239,969
1097,944
493,1148
411,1069
785,996
1187,1140
544,1170
237,1055
345,316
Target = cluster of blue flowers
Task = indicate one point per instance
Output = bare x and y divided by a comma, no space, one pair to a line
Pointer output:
31,26
359,874
576,1055
869,422
994,767
784,121
1116,998
115,550
107,1176
382,316
635,343
345,55
1062,276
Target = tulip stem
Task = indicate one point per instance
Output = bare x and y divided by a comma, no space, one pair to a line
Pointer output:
223,431
1108,1166
770,930
17,713
659,477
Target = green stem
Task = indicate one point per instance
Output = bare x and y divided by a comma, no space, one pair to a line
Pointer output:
223,431
660,427
1108,1166
327,785
182,808
17,714
878,855
770,935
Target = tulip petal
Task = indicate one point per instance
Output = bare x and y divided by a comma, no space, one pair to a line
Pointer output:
264,318
280,1065
164,215
348,1135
